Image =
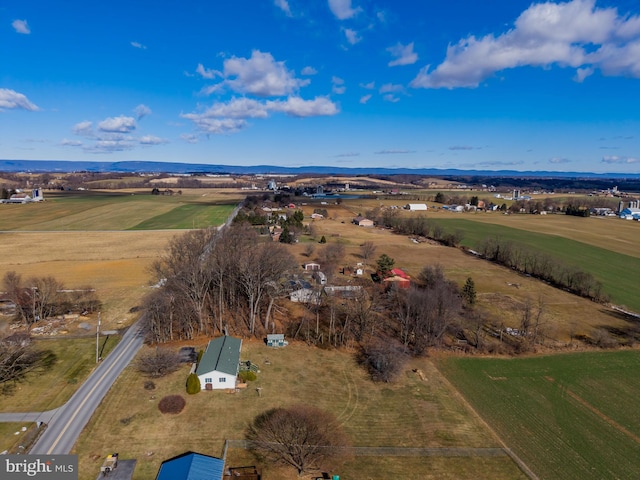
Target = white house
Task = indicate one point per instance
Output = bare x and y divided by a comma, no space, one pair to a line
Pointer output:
414,207
219,365
305,295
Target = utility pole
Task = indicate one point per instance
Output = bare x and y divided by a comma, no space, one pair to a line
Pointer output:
98,339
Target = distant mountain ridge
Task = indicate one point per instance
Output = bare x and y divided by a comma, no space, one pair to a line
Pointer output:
66,166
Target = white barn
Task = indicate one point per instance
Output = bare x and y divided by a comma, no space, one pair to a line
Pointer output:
219,365
416,207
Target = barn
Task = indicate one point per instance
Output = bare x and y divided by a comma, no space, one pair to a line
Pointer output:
416,207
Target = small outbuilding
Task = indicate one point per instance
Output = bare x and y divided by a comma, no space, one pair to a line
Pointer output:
276,340
363,222
191,466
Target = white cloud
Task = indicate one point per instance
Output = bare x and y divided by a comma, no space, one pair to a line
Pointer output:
207,73
10,99
352,36
309,71
390,97
83,128
261,75
393,152
189,137
138,45
391,88
338,85
231,117
298,107
238,108
368,86
342,9
152,140
582,73
216,126
142,111
284,6
573,34
119,124
109,146
559,160
614,159
70,143
365,98
21,26
404,55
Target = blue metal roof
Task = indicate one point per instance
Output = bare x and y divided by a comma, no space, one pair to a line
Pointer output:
191,466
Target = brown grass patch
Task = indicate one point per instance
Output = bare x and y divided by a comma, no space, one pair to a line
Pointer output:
409,413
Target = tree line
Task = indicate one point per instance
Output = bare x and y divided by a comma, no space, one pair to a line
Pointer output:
216,281
38,298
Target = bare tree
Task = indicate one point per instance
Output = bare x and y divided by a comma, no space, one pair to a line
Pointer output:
17,359
301,436
309,248
383,358
259,268
184,269
158,362
367,251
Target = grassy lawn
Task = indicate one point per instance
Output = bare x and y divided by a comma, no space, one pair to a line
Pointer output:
409,413
618,273
570,416
75,359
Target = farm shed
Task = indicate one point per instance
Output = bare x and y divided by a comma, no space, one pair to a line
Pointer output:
363,222
311,266
630,213
276,340
415,207
191,466
218,367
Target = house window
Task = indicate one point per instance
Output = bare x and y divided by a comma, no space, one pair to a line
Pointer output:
208,380
222,380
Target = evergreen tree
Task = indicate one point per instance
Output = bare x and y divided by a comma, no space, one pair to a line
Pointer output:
385,264
193,384
469,292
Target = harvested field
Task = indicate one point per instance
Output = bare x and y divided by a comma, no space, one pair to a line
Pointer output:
116,264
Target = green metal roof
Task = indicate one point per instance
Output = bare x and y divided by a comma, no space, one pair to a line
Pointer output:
222,355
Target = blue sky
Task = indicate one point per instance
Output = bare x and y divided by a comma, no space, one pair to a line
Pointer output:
504,84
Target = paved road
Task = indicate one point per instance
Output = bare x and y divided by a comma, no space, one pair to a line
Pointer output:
66,422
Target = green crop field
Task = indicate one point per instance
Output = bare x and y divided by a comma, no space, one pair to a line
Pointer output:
619,274
196,215
571,416
91,211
